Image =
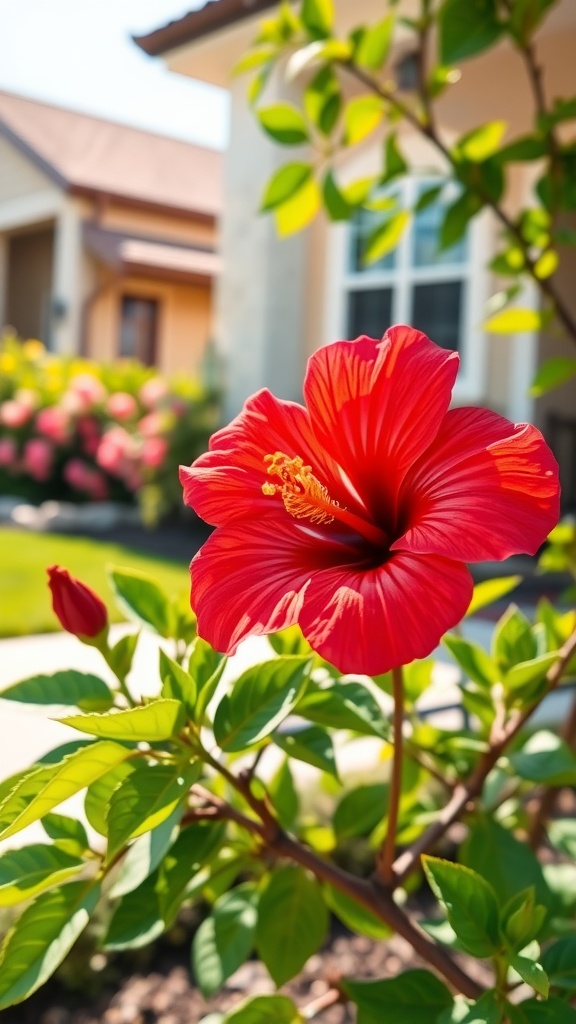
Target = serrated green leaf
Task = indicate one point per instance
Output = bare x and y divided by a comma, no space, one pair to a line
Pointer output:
264,1010
145,799
552,374
374,46
360,810
386,236
514,321
362,115
473,659
145,854
356,917
413,997
312,745
26,872
284,123
285,183
44,788
470,904
225,939
80,689
177,683
532,973
293,898
142,599
260,700
160,719
545,758
41,938
467,28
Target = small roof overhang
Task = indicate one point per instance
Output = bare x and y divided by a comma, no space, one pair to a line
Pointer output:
213,16
131,255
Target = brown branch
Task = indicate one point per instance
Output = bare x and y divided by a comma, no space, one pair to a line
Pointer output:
323,1002
385,860
465,794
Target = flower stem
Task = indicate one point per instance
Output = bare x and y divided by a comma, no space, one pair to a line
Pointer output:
386,858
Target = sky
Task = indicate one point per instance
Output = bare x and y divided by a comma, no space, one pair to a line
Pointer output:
79,54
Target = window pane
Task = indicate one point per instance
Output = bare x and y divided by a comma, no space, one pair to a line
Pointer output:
436,310
138,323
362,224
426,233
369,312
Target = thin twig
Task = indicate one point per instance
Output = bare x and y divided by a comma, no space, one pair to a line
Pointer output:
323,1002
386,859
466,793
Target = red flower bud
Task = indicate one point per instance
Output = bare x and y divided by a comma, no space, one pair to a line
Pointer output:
78,608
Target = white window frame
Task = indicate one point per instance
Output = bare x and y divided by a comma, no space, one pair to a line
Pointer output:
471,381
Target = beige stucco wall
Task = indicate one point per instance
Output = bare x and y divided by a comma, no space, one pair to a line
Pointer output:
116,217
29,282
184,327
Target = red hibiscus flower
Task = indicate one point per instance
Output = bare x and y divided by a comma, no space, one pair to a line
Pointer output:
354,516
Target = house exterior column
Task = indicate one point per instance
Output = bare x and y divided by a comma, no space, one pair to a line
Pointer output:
66,300
3,279
260,293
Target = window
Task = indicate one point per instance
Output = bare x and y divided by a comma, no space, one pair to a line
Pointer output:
416,284
138,329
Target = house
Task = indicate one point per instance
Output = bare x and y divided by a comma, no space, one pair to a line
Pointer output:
278,300
107,236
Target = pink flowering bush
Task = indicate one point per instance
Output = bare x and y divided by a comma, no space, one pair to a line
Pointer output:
81,431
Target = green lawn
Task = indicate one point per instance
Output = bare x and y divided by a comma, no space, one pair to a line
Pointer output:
25,605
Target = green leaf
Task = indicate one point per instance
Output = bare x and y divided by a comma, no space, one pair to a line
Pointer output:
145,854
545,758
527,676
532,973
528,148
81,689
486,1011
413,997
551,374
559,962
532,1011
562,835
177,684
295,899
481,143
194,847
473,659
297,212
507,864
40,939
264,1010
360,810
394,163
160,719
375,43
546,264
428,197
120,657
206,666
362,115
26,872
144,800
260,700
44,788
318,17
489,591
323,100
137,920
254,59
283,795
522,919
225,939
349,706
312,745
63,829
457,217
284,123
337,206
356,917
513,640
466,28
386,236
99,793
470,904
514,321
142,599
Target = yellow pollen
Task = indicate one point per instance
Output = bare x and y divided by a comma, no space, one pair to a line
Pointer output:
303,495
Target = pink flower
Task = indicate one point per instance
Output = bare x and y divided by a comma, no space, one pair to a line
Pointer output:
7,452
54,423
14,414
86,478
355,514
122,406
88,389
115,451
151,425
153,392
38,458
154,452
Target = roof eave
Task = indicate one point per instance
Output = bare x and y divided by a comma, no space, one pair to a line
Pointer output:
215,15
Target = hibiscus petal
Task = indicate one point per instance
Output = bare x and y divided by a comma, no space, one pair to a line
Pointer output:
485,489
249,578
370,621
375,407
225,483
